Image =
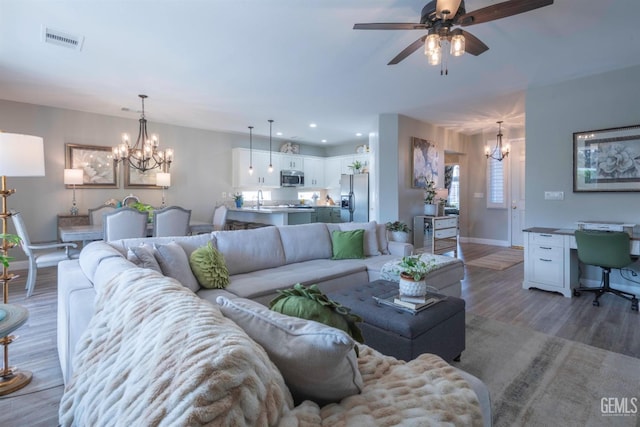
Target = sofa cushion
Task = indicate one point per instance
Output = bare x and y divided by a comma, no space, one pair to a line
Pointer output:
143,256
317,361
305,242
207,264
188,243
370,234
93,254
250,250
347,244
174,263
383,242
266,282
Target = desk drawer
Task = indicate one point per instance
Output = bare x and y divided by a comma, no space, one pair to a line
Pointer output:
446,223
447,232
551,253
546,239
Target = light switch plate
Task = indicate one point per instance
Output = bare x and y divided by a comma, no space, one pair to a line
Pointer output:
478,195
554,195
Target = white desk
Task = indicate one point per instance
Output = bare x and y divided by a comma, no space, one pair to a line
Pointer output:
551,260
87,233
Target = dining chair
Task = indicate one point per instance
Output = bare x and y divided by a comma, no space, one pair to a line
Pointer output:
220,218
171,221
41,254
124,223
95,214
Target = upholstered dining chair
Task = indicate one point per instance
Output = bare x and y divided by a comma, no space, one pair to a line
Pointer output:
95,214
171,221
42,254
607,250
124,223
220,218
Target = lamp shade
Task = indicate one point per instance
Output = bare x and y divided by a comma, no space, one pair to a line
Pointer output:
163,179
73,176
21,155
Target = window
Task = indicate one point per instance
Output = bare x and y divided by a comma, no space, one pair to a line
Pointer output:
253,195
496,184
454,189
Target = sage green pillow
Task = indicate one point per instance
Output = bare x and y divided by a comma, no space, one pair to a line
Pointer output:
348,244
207,264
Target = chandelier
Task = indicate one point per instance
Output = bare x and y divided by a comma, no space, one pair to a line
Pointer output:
144,155
500,151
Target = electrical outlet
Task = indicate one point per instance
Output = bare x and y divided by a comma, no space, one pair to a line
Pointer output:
554,195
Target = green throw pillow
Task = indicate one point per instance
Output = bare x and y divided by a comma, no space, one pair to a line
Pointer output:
348,244
207,264
311,304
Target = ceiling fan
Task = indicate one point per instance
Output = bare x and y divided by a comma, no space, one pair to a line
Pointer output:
440,17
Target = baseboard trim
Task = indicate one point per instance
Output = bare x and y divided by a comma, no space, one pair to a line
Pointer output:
490,242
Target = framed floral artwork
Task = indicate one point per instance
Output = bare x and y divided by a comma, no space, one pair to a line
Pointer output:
425,163
134,178
96,161
607,159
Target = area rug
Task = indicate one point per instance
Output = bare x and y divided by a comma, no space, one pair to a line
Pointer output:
539,380
499,260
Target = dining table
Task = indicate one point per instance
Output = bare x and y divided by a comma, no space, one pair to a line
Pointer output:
88,233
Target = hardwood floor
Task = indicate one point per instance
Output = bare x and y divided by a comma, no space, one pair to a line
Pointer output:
490,293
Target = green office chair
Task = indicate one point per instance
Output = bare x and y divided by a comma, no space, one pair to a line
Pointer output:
607,250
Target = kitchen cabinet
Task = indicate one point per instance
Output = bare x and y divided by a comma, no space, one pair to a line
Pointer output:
261,175
328,214
313,172
290,162
332,172
347,161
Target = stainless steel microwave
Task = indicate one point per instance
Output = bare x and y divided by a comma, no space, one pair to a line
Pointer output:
291,178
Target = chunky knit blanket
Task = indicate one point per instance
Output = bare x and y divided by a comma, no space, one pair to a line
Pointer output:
155,354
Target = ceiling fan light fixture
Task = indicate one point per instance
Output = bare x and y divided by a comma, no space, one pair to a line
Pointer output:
434,57
457,44
431,43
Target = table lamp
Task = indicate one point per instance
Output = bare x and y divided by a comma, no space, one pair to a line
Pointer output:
20,155
163,179
73,177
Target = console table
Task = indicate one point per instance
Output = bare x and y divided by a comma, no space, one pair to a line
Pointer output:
437,234
68,220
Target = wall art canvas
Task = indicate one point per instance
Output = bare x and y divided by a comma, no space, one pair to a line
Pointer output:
133,178
425,162
607,159
96,162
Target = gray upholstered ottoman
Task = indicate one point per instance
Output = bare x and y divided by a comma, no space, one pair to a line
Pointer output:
439,329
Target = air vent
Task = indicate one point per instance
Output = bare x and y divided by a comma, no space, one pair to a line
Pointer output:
60,38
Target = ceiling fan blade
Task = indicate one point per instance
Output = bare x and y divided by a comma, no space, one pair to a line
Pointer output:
449,6
472,44
500,10
408,50
389,26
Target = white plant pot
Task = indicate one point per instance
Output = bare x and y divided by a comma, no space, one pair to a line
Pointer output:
412,288
431,210
399,236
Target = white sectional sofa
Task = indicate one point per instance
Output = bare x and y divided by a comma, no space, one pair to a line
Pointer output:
260,262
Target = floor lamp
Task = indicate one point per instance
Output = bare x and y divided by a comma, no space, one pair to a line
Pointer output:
73,177
20,155
163,179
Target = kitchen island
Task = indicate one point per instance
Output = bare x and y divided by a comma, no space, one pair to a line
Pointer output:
273,215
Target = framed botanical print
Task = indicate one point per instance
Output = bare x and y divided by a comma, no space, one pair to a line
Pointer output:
96,161
134,178
607,160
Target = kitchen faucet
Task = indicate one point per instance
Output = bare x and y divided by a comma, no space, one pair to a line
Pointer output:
260,200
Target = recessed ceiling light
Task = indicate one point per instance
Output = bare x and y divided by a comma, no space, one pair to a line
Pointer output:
279,133
313,125
358,134
324,140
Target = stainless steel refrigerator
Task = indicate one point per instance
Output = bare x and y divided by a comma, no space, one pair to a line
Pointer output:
354,197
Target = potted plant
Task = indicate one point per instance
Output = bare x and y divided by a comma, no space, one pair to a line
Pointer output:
398,231
430,207
412,273
143,207
237,197
356,166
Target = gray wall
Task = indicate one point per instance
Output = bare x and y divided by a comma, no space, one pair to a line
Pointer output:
553,114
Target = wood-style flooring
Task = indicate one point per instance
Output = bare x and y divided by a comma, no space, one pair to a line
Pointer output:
490,293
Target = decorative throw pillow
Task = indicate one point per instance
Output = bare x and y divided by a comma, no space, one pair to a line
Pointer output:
174,263
311,304
347,244
317,362
207,264
370,239
143,257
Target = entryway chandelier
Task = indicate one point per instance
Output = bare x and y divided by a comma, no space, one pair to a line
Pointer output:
145,154
500,151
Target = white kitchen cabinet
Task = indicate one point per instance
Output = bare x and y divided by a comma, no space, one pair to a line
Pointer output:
347,161
313,172
291,162
332,172
261,175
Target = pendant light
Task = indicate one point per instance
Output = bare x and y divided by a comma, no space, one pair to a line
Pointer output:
250,150
500,151
270,163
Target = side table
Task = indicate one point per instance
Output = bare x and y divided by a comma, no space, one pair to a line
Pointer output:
11,318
